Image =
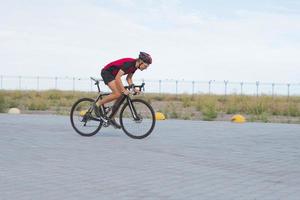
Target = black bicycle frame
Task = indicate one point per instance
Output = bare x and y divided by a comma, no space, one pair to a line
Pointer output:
119,101
118,104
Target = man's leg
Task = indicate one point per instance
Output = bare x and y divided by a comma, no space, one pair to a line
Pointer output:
113,96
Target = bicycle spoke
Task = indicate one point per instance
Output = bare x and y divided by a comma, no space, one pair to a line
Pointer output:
140,125
83,118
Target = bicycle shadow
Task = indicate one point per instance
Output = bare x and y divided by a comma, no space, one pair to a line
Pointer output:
110,133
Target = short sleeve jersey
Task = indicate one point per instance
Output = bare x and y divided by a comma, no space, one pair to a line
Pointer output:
126,64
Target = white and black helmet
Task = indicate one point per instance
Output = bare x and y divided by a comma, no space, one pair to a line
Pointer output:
145,57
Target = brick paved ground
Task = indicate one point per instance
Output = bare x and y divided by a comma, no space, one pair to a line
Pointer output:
41,157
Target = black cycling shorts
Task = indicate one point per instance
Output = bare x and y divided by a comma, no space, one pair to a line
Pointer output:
107,76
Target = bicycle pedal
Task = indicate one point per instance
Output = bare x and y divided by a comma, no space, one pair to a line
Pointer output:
106,122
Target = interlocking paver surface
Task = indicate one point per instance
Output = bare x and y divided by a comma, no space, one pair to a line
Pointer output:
41,157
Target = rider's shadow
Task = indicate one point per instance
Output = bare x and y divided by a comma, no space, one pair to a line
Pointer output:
110,132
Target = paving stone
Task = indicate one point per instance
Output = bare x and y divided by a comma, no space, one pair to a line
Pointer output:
41,157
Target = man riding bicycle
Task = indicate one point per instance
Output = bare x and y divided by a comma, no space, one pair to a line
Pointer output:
111,75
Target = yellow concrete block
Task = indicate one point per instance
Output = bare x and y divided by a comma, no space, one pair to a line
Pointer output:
238,119
159,116
82,113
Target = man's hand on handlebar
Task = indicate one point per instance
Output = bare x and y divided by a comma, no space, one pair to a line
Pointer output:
136,90
133,89
126,92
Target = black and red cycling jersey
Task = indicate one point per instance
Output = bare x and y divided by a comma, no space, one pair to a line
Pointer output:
126,64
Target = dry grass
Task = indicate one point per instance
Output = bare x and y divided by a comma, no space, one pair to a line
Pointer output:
184,106
259,108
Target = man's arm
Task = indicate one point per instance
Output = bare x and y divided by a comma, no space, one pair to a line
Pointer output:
130,82
129,79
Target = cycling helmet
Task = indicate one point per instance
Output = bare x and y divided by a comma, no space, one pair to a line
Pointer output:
145,57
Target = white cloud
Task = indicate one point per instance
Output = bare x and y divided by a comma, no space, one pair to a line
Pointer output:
77,39
126,3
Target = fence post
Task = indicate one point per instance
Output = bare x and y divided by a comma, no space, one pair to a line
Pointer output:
55,83
38,82
209,86
257,85
288,85
159,85
242,88
225,82
273,88
176,87
73,84
193,83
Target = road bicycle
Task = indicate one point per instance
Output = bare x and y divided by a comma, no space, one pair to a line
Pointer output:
136,116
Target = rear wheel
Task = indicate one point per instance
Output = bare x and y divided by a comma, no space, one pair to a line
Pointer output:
83,119
138,124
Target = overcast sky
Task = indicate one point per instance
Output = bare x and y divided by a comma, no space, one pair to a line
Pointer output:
192,40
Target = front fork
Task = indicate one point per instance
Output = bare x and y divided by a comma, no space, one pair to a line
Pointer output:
132,109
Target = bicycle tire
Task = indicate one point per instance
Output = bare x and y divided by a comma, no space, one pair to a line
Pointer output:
72,118
151,118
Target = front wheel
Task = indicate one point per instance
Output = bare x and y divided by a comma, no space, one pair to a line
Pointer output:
138,120
83,119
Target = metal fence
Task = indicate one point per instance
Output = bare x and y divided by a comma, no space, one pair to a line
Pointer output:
153,86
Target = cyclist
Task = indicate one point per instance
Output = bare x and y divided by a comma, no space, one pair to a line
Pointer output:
111,75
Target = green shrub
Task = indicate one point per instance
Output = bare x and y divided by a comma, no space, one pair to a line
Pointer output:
54,95
172,111
258,108
186,102
40,105
2,104
263,117
199,106
173,115
186,117
222,99
158,98
231,109
209,112
13,104
69,96
15,95
64,102
293,110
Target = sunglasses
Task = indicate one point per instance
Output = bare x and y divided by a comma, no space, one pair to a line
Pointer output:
146,64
